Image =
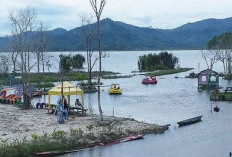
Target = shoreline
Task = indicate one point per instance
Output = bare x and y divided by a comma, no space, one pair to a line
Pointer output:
35,129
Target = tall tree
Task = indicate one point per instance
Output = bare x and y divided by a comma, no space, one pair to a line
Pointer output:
22,24
222,47
98,9
209,57
41,42
88,36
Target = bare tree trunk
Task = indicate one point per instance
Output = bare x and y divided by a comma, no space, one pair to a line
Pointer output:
98,12
38,60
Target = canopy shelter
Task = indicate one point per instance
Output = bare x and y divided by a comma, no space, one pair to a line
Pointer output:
68,90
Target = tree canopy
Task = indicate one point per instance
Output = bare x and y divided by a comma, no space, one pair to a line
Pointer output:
163,60
224,41
68,62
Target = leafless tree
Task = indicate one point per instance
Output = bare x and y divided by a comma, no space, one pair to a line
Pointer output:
88,35
221,56
22,24
98,9
209,57
41,41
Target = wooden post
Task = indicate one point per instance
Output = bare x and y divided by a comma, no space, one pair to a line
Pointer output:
211,109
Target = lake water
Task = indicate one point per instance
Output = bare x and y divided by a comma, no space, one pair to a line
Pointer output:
168,102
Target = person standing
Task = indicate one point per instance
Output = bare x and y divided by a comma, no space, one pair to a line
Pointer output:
65,109
59,108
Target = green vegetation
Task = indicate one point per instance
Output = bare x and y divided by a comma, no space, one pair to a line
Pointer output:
228,77
116,76
37,79
68,62
162,61
61,140
170,71
45,85
191,75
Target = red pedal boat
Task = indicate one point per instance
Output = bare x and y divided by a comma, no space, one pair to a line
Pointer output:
151,80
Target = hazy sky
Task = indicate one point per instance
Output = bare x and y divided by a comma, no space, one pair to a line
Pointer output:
155,13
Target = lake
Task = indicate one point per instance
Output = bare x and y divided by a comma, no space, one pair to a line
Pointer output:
168,102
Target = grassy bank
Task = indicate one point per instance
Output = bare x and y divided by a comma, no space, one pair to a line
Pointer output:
38,78
78,138
117,76
168,72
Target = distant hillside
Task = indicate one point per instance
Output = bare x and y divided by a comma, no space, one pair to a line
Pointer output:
117,35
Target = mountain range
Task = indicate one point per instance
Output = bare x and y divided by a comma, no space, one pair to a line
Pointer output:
116,35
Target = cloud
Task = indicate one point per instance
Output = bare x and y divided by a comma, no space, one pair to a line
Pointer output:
155,13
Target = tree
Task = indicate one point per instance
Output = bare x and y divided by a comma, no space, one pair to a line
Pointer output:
65,62
209,57
77,61
221,46
88,36
161,61
69,62
98,8
22,24
41,43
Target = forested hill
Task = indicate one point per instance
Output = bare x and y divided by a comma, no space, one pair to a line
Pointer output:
117,35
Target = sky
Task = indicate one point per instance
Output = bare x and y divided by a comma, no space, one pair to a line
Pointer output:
163,14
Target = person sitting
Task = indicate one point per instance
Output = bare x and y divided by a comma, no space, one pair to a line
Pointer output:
78,103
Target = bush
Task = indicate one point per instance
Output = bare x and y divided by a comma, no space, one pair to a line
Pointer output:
162,61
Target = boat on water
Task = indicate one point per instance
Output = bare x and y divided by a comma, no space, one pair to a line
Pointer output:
216,109
151,80
115,89
126,139
189,121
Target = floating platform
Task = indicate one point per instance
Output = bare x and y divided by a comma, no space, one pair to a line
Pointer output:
189,121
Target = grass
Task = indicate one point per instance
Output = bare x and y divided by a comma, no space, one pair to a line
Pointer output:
228,77
170,71
117,76
60,140
37,78
45,85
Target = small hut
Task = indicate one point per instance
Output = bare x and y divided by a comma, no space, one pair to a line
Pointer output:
208,79
68,90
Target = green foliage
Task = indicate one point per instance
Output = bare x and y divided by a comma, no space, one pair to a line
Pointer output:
58,134
162,61
40,85
81,77
117,76
65,62
224,41
34,136
170,71
228,77
78,61
192,75
68,62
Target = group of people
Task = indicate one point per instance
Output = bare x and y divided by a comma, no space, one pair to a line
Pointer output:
63,108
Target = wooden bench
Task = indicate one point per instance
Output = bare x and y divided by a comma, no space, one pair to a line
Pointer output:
79,109
51,108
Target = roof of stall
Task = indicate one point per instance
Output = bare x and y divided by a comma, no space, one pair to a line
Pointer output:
68,89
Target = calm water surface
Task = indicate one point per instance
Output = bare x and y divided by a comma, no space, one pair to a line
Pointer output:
169,101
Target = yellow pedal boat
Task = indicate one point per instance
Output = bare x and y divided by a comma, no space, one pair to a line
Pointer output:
115,89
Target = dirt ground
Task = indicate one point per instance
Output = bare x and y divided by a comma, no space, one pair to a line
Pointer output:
17,123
